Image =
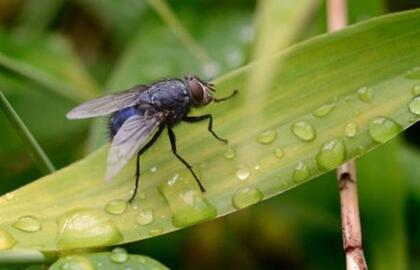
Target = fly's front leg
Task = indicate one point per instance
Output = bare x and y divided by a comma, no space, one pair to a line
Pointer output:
172,139
193,119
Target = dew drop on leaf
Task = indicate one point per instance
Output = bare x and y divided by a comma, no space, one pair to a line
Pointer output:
243,173
301,173
350,129
323,110
118,255
116,207
267,136
383,129
246,196
279,153
414,105
145,217
416,90
331,154
27,224
365,94
155,231
6,240
304,131
74,263
229,153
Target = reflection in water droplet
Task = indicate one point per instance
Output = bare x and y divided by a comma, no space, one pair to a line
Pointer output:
189,206
304,131
155,231
416,90
229,153
365,94
331,155
350,129
116,207
27,224
324,110
414,105
86,228
383,129
243,173
246,196
118,255
145,217
279,153
6,240
301,173
9,196
413,73
73,263
267,136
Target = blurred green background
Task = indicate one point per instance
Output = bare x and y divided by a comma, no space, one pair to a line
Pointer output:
55,54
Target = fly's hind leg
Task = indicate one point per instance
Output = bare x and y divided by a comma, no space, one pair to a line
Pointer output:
193,119
172,139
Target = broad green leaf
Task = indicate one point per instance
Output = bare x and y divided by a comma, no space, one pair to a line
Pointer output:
334,98
117,259
49,62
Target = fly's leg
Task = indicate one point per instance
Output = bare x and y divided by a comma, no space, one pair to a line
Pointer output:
193,119
136,185
234,93
172,139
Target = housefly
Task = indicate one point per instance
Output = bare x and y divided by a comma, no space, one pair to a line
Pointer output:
140,114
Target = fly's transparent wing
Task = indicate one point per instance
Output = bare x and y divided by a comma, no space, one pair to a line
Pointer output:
107,104
130,138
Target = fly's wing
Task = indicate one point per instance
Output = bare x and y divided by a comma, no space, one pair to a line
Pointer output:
107,104
130,138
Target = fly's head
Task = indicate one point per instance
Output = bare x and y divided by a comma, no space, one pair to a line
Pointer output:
201,92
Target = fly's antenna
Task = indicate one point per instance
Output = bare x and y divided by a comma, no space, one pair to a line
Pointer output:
234,93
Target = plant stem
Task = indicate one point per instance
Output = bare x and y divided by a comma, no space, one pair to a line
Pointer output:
38,154
346,173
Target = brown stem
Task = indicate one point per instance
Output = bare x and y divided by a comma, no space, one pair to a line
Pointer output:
346,173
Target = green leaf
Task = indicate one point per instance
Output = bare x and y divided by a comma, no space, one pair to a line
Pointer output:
117,259
333,98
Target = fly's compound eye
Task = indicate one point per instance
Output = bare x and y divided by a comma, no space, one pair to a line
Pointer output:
197,91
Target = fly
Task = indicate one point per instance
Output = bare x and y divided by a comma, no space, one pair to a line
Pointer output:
140,114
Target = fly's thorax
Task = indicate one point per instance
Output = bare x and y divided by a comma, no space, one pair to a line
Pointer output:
169,95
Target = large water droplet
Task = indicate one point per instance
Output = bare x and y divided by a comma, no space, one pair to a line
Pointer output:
6,240
145,217
350,129
27,224
383,129
331,155
86,228
324,110
243,173
246,196
413,73
118,255
116,207
189,206
365,94
73,263
279,153
267,136
229,153
301,173
414,105
416,90
304,131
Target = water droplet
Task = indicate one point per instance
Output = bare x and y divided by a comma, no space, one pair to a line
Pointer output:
27,224
413,73
324,110
301,173
267,136
246,196
9,196
416,90
304,131
350,129
383,129
414,105
118,255
189,206
365,94
86,228
331,155
155,231
6,240
153,169
243,173
229,153
279,153
73,263
145,217
116,207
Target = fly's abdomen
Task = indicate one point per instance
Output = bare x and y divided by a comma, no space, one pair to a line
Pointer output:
118,118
